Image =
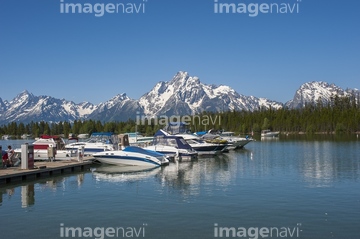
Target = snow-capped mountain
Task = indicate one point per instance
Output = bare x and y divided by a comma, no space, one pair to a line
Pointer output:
26,107
120,107
182,95
187,95
313,92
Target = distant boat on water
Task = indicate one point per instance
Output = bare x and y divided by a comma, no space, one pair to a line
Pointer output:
6,137
26,136
269,133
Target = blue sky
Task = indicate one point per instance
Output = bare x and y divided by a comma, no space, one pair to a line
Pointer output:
81,57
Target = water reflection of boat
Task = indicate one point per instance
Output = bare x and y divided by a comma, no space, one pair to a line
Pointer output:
115,173
187,177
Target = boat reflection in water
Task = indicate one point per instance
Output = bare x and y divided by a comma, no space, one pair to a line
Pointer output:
186,177
114,173
196,177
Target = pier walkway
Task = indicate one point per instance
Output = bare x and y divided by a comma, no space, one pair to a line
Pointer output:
43,169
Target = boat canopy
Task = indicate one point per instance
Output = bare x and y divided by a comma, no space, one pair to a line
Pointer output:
201,133
177,128
171,140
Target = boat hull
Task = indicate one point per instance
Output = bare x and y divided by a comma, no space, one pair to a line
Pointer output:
121,157
174,152
123,160
271,134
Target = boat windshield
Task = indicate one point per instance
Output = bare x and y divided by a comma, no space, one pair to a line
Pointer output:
106,138
165,141
172,141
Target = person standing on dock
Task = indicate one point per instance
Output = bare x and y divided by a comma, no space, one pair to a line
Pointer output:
11,156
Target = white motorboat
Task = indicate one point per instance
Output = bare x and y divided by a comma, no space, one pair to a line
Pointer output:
203,147
234,142
269,133
199,145
50,147
136,139
173,146
6,137
132,155
98,142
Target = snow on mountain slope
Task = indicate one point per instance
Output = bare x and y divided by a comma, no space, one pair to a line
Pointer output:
312,92
187,95
182,95
26,107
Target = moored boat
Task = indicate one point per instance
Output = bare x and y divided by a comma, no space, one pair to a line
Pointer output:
51,147
136,139
98,142
234,142
199,145
173,146
269,133
131,155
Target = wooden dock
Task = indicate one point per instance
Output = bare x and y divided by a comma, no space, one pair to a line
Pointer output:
43,170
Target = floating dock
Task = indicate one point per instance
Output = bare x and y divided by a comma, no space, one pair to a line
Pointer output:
43,169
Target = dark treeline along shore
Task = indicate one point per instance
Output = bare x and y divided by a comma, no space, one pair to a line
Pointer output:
341,116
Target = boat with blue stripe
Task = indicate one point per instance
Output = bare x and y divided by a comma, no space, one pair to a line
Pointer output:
131,155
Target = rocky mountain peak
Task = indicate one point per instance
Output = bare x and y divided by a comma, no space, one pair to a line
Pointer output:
181,95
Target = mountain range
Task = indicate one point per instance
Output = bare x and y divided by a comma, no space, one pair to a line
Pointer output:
183,95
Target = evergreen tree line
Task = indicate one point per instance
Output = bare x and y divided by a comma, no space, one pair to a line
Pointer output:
341,115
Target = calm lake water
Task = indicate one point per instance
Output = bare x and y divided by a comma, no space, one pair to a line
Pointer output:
304,188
